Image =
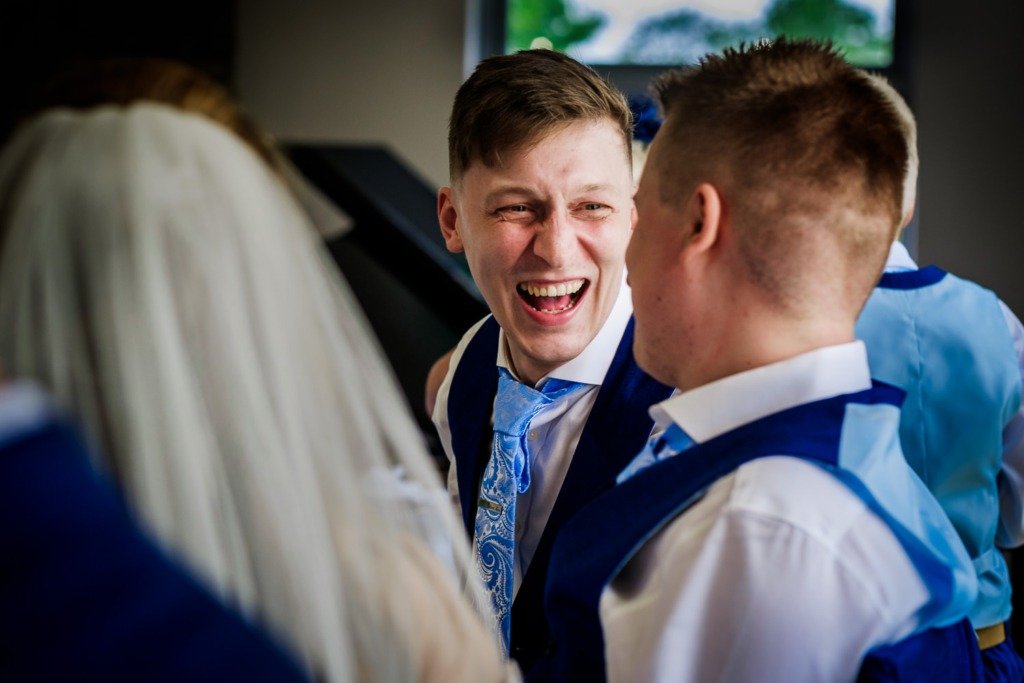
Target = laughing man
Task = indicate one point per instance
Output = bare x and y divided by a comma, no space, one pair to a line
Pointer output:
540,201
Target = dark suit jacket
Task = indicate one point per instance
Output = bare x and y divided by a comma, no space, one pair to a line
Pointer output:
85,596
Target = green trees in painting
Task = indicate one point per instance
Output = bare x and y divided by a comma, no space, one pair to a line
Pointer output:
851,28
683,35
550,19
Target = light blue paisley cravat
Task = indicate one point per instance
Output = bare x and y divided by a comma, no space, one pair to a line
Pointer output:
507,475
669,443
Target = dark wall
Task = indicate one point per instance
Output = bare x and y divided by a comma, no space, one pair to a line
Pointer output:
968,93
392,258
39,38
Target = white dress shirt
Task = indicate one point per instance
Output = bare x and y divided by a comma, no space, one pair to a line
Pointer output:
1011,485
554,432
779,573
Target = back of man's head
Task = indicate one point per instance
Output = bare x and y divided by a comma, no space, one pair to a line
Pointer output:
810,159
511,101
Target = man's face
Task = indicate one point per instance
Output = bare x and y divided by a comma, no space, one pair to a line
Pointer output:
653,264
545,235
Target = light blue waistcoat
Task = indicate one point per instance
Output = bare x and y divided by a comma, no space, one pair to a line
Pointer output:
945,342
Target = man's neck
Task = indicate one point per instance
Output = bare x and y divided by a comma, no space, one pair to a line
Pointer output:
755,340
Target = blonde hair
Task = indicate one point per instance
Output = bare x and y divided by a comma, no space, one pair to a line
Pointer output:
125,81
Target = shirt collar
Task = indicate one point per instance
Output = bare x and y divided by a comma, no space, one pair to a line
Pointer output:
899,258
591,366
725,404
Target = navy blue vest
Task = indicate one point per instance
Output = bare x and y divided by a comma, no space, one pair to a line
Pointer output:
84,596
603,537
617,428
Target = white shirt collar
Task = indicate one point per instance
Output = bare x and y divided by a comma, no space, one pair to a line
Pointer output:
899,258
592,364
733,401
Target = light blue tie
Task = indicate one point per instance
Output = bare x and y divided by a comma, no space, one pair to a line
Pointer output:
507,475
671,442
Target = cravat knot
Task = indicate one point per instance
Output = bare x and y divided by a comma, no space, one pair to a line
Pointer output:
517,403
515,407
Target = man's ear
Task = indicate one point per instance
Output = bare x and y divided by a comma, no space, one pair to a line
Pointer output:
905,221
704,218
633,216
448,218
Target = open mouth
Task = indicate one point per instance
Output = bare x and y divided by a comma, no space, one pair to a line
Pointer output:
553,298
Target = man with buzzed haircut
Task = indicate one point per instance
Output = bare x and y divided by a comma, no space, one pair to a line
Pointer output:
772,531
541,404
958,352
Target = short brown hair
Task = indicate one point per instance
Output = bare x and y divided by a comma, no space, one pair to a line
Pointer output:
809,149
510,101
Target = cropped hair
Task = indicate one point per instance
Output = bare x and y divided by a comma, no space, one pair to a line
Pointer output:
790,110
810,151
510,101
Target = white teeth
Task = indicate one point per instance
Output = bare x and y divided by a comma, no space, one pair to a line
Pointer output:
554,290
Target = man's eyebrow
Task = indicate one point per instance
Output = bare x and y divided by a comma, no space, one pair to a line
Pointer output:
507,190
522,190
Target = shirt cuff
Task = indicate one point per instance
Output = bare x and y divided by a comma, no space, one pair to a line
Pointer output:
24,408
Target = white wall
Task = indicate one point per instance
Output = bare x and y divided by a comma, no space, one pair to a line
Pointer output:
377,71
387,70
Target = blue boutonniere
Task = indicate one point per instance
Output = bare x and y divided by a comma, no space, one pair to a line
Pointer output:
646,120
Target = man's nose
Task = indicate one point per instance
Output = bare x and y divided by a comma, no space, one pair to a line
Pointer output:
555,239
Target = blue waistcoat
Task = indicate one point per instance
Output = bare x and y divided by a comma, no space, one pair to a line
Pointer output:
84,596
604,536
944,341
617,428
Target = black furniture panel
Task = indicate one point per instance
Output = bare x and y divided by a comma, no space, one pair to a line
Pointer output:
418,296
